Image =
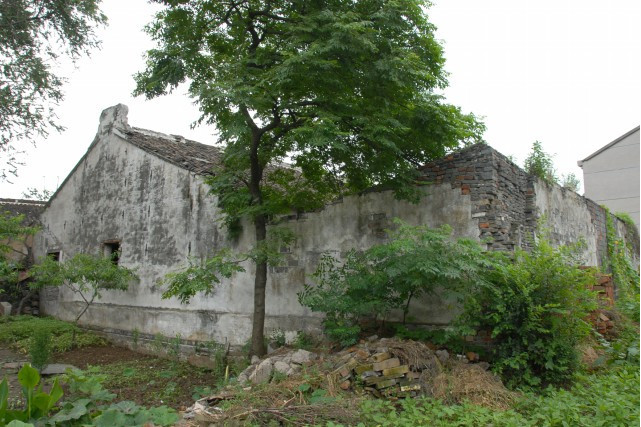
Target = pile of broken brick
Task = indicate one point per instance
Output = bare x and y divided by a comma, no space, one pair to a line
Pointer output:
393,368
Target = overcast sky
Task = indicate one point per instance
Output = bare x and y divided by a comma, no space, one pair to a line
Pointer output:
566,73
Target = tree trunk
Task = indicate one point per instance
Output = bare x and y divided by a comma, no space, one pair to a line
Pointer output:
260,283
260,224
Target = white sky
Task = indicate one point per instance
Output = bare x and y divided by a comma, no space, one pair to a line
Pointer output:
566,73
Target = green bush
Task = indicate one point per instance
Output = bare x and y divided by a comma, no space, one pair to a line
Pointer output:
540,164
17,333
416,261
534,306
40,349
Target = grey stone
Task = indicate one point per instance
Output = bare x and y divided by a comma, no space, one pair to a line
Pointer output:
443,355
254,360
281,367
13,365
263,372
293,370
302,356
484,365
56,369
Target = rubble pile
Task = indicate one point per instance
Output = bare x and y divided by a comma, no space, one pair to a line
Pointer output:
287,364
392,368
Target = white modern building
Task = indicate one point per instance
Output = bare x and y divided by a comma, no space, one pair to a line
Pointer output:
611,175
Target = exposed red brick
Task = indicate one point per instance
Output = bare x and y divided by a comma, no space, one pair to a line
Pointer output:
484,225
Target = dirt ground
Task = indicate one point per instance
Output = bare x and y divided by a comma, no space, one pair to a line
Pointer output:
146,380
104,355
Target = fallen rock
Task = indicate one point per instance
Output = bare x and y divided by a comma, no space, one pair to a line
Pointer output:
13,366
443,355
56,369
254,360
293,370
302,356
281,367
263,372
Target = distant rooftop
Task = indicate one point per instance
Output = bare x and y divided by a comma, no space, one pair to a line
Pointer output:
31,209
605,147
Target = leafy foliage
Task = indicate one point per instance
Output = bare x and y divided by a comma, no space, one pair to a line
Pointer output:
89,404
606,399
38,404
624,275
346,91
17,332
571,182
540,164
33,37
416,261
200,277
40,349
12,229
534,307
85,275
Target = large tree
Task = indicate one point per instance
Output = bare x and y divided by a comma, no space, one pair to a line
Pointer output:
34,35
345,91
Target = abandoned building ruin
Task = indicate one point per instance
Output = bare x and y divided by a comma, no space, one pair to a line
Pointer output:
143,193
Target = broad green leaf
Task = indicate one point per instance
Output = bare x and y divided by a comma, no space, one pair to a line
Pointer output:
28,377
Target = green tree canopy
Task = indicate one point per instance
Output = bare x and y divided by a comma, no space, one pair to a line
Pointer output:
33,35
346,92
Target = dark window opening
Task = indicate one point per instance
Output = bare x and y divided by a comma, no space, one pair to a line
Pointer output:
54,256
112,250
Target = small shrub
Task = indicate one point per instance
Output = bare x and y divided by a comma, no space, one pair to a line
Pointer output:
303,341
135,336
540,164
218,353
417,261
158,345
571,182
174,347
534,306
277,338
40,349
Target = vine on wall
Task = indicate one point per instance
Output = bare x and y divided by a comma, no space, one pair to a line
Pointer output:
624,275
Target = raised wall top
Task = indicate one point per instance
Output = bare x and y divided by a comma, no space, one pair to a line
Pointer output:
114,117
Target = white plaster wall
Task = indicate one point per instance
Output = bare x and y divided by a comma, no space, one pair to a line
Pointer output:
567,218
158,211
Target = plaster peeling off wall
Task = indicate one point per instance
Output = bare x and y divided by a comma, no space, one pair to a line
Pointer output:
566,219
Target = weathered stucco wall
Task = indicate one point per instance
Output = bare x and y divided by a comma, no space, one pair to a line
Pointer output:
162,215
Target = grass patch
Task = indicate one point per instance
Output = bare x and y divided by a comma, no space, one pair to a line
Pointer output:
609,398
17,332
152,382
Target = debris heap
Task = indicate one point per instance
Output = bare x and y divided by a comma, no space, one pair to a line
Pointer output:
391,368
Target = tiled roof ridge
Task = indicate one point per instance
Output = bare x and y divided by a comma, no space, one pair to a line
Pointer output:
185,153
